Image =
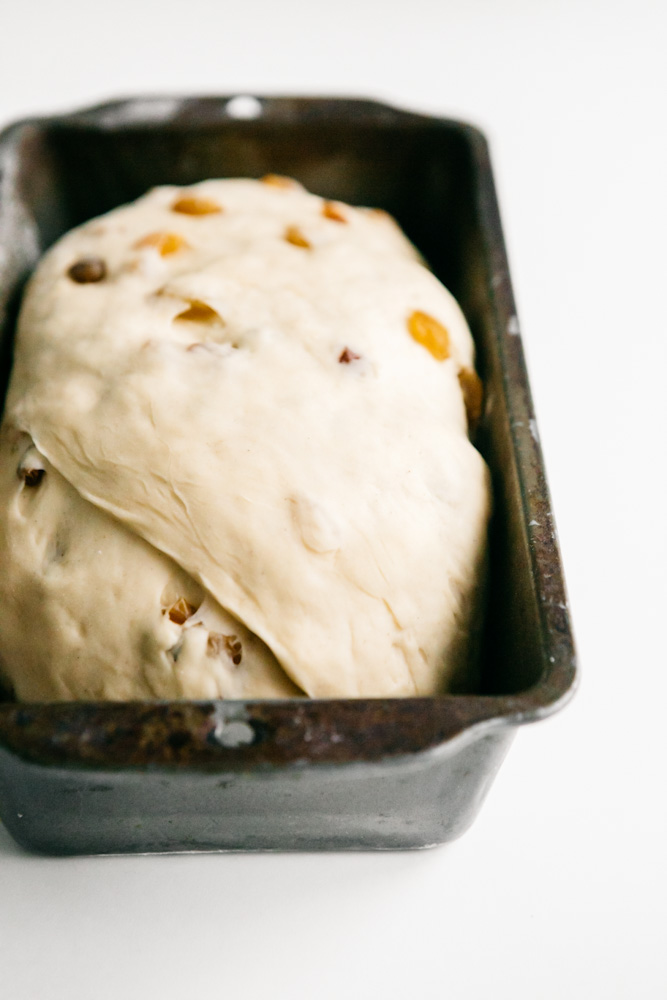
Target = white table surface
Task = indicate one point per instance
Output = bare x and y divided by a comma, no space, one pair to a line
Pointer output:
559,888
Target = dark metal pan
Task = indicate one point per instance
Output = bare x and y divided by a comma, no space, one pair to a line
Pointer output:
287,775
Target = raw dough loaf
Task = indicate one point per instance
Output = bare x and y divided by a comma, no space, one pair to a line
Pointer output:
242,456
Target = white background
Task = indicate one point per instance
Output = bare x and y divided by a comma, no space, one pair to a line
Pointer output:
559,888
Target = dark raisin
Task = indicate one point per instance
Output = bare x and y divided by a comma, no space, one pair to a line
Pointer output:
230,644
87,270
32,477
234,649
347,356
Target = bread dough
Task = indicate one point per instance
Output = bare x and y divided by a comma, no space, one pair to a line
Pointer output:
239,475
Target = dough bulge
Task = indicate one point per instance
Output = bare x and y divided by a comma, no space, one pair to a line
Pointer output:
234,460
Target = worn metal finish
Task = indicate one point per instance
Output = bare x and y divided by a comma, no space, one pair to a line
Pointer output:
296,775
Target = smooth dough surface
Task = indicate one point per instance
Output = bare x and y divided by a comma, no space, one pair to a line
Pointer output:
236,417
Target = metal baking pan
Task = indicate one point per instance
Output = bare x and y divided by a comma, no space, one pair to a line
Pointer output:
296,775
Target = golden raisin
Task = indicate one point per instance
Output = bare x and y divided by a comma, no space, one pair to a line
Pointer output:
294,235
330,210
191,205
277,180
87,270
165,243
380,213
473,395
200,312
431,334
180,611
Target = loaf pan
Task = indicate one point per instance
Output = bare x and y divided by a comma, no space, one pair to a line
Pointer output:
296,775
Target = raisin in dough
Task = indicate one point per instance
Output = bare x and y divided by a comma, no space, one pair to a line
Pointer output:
231,465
